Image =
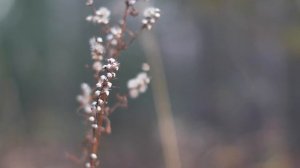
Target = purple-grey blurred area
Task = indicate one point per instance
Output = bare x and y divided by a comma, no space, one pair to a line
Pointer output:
231,70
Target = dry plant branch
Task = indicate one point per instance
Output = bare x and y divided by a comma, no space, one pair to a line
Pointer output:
166,123
105,55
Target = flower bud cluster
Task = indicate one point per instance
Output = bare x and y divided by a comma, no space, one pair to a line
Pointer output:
151,14
101,16
97,51
139,84
130,2
114,36
103,86
101,91
85,98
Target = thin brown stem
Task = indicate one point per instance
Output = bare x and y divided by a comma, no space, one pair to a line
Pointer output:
134,36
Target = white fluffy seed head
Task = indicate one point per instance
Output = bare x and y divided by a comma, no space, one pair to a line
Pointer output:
152,20
131,2
152,12
93,156
132,83
111,60
142,76
101,102
99,84
85,88
143,88
116,31
99,40
145,21
102,15
97,92
95,126
109,66
157,15
89,18
133,93
92,118
103,78
145,67
149,27
147,80
98,108
109,75
106,92
80,98
88,109
116,68
97,66
87,165
109,84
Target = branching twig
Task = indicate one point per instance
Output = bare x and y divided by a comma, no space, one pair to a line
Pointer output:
94,101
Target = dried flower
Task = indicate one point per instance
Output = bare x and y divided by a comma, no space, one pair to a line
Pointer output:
138,85
88,165
145,67
89,2
91,118
93,156
86,89
131,2
133,93
151,14
101,16
95,126
114,36
97,66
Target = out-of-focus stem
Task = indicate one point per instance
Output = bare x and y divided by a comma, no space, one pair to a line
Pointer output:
166,122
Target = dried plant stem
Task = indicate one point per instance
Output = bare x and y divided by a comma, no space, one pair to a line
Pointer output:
96,139
95,144
165,118
94,100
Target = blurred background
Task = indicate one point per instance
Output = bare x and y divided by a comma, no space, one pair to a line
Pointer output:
230,68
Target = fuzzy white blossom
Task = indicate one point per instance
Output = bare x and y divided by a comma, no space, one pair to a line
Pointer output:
96,45
132,83
86,89
114,36
145,67
97,92
151,14
143,88
138,85
87,165
95,126
133,93
97,51
84,98
101,16
97,66
89,2
131,2
93,156
92,118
